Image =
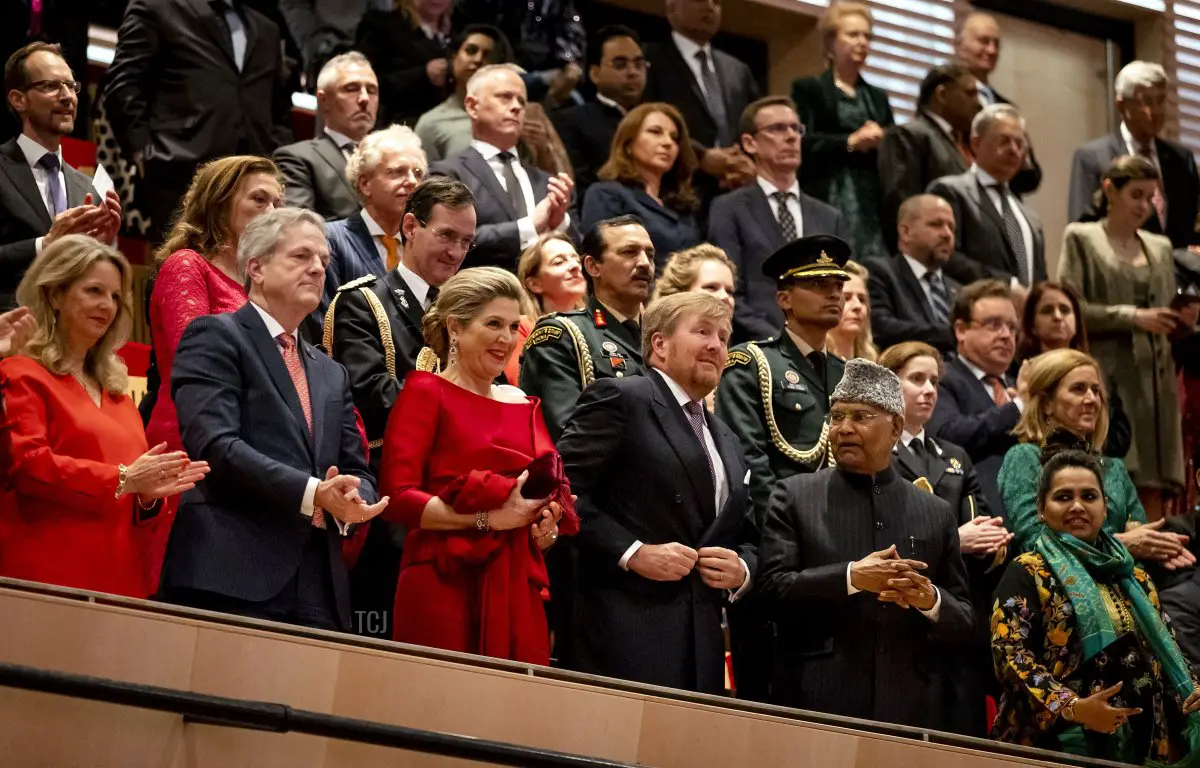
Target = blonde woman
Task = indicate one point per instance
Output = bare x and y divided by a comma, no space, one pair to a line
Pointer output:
852,337
79,478
551,276
703,268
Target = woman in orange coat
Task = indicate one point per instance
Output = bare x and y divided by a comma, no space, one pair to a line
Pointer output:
474,475
78,476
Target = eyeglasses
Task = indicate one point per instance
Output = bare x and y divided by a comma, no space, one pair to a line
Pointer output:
856,417
621,64
782,129
449,236
996,325
50,87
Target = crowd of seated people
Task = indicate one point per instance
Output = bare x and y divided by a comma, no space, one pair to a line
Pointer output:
632,377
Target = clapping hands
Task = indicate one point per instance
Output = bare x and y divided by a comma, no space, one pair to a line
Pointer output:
16,327
338,496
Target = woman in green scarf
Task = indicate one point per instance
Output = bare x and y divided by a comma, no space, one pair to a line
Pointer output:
1087,659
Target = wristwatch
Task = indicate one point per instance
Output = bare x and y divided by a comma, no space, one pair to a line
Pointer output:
1068,712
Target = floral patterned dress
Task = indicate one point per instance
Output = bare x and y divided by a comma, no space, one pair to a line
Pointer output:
1038,660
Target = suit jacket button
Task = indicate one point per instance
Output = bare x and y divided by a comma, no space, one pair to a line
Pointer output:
678,499
620,375
879,525
799,407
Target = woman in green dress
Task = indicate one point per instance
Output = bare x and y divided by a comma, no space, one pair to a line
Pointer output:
844,119
1087,659
1065,402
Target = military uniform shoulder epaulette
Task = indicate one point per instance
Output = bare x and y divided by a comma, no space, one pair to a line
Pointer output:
357,283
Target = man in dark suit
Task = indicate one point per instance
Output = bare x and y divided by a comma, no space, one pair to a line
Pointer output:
1141,94
515,203
977,44
978,406
274,419
322,29
755,221
41,197
617,68
189,83
314,170
863,570
64,22
373,328
911,296
933,144
652,586
709,87
997,236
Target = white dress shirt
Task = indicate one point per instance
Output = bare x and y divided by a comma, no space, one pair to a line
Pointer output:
994,197
793,202
525,229
310,490
942,123
688,49
721,489
415,283
987,96
1133,147
376,233
906,437
600,97
33,153
802,345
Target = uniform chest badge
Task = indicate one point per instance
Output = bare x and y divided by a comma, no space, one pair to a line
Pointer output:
610,347
792,383
956,467
400,297
792,377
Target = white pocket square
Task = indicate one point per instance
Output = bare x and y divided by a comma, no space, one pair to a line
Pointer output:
746,479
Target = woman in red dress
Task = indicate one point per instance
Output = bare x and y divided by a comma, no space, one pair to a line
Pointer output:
474,475
78,476
198,275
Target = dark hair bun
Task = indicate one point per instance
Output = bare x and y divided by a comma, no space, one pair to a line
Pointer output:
1063,440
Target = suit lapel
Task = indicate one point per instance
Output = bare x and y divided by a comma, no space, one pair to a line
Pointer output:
683,440
913,286
328,151
251,25
272,358
404,299
78,188
479,168
763,215
214,27
983,201
947,140
12,163
802,364
937,464
909,460
316,396
366,244
685,72
615,328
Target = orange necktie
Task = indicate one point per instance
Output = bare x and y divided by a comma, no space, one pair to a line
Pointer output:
999,393
393,251
295,369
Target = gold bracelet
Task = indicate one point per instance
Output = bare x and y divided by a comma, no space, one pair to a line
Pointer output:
1068,712
481,522
122,478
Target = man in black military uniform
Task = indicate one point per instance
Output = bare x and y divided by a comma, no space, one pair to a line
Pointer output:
567,351
774,395
373,328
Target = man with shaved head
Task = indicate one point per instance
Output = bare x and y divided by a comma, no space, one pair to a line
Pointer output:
910,295
515,203
977,44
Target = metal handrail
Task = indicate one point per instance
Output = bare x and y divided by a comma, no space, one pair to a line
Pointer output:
206,709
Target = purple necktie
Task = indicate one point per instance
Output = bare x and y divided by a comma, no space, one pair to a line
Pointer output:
58,196
695,414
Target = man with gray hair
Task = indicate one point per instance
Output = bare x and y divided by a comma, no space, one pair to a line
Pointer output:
997,236
876,559
1141,96
516,203
274,419
666,538
314,170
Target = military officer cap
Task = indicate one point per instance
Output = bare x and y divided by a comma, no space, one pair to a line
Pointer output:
808,257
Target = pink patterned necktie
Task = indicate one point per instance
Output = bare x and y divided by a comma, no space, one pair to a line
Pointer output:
291,359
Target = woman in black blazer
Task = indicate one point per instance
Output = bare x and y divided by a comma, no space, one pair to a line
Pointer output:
411,63
844,119
649,174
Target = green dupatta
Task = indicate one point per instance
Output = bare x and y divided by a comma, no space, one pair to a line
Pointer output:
1078,566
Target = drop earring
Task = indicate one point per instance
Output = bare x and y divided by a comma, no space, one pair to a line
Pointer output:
452,358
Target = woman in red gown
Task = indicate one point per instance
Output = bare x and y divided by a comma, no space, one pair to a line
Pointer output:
78,479
474,475
198,275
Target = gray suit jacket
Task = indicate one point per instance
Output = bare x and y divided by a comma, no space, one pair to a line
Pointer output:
744,224
314,177
23,215
982,249
911,156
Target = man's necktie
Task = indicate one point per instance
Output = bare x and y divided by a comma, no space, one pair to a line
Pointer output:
1159,201
393,250
714,99
237,33
291,359
430,297
635,330
695,414
939,297
58,196
786,221
917,446
348,148
818,363
513,186
1012,231
999,391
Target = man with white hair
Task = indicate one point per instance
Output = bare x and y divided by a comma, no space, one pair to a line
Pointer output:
515,202
996,235
273,417
314,170
1141,94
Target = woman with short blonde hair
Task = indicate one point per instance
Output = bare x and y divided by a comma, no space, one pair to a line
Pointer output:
852,336
79,483
702,268
551,276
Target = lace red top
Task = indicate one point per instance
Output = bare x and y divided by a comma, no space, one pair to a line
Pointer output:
188,286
